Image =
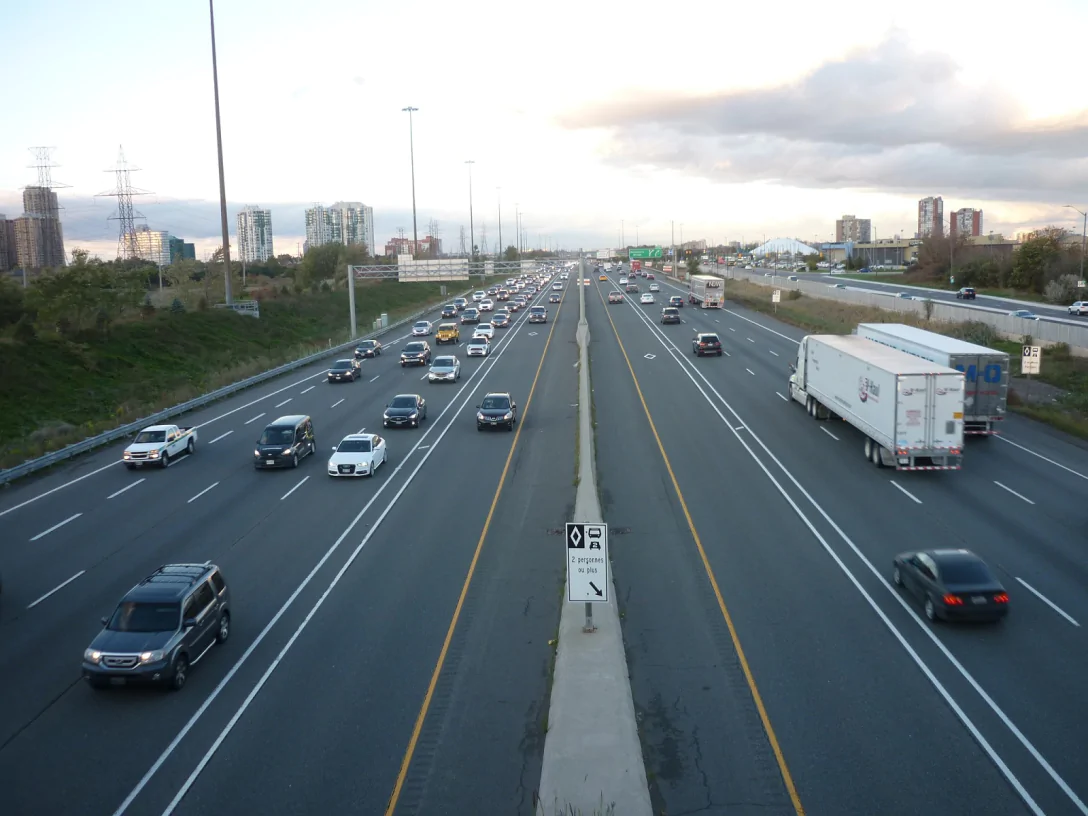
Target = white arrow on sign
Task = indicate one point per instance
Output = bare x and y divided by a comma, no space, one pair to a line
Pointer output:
587,562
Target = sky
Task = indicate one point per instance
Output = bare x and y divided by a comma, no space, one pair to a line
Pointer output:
599,122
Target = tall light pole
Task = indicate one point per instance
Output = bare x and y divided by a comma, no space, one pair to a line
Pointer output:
412,152
636,235
471,226
222,177
1083,237
517,226
498,193
623,234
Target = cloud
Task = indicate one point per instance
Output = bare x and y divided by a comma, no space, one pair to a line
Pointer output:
888,118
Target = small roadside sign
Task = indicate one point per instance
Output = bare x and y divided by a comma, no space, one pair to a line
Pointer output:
777,296
587,562
1080,284
1031,360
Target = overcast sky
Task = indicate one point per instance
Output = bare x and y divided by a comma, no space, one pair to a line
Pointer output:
770,118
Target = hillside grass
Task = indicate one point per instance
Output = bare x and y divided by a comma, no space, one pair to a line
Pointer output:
57,390
1060,368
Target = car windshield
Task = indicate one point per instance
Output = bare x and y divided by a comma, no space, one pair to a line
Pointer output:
478,341
422,324
403,402
414,347
537,309
443,362
150,437
277,436
354,446
341,365
965,572
367,344
145,617
484,327
495,404
447,327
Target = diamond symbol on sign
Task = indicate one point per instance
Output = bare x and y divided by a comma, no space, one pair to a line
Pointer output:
650,356
532,334
575,536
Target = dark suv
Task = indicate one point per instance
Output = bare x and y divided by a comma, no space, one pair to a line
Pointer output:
416,353
284,442
162,626
706,343
966,293
498,410
670,314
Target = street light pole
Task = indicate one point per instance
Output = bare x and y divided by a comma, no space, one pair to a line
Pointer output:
222,178
1083,237
498,191
471,226
412,152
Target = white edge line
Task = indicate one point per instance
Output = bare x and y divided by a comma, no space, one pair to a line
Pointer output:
221,436
374,378
1015,445
307,390
783,397
165,755
337,403
1034,592
281,404
905,492
1018,495
772,351
123,489
750,371
202,492
254,418
925,629
56,527
293,489
56,589
826,431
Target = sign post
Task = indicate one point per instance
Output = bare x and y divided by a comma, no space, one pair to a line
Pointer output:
1031,362
587,566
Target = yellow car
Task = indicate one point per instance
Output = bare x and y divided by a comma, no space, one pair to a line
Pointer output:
448,333
603,277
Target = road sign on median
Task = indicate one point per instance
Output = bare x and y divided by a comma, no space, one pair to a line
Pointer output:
776,296
1032,359
642,253
587,562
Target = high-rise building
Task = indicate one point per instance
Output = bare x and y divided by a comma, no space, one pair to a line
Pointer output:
8,260
930,217
851,228
39,237
152,245
255,234
428,245
346,222
966,221
181,250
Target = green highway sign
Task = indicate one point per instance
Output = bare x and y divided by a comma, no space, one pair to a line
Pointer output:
640,253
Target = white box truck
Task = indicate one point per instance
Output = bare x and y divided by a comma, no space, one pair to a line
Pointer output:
706,291
909,409
985,370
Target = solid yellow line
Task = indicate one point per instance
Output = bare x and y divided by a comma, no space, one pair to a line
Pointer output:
410,752
787,778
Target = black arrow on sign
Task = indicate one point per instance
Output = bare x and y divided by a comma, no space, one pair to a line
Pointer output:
599,593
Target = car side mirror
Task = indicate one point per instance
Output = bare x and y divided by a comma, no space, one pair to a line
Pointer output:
793,368
189,623
105,620
334,448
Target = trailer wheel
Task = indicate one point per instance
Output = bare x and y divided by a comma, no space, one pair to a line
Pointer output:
878,460
869,449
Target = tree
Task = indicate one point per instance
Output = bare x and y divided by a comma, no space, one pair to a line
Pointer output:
319,264
693,265
11,303
812,260
1035,258
510,253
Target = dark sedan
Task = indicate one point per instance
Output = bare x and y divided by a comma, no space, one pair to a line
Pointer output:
951,584
449,310
368,348
405,411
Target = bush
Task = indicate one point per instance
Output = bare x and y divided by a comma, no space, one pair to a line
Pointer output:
177,307
24,330
794,294
979,333
1061,290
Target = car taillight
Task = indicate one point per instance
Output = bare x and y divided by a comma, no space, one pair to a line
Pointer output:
1001,597
953,600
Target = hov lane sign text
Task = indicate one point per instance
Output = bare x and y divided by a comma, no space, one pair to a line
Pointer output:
587,562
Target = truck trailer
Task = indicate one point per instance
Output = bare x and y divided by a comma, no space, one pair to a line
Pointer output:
909,409
706,291
985,370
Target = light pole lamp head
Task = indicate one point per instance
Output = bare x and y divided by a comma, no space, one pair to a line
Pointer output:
409,109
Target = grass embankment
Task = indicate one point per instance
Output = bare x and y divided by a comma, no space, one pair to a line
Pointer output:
1069,412
904,279
57,391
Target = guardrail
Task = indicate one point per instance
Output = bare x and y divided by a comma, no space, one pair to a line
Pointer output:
89,444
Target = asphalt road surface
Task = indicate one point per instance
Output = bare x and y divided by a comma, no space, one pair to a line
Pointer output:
798,532
345,593
391,648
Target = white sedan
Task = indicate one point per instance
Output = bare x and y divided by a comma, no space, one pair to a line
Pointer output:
422,328
484,330
358,455
478,347
623,281
646,298
654,287
487,305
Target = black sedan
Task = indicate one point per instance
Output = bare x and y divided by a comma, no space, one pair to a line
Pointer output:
368,348
449,310
951,584
405,411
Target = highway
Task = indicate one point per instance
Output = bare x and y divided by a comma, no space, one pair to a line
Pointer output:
799,531
344,592
393,637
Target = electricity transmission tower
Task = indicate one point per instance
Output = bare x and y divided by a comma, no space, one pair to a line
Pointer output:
126,214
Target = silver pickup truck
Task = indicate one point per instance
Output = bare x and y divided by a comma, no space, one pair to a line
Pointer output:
158,444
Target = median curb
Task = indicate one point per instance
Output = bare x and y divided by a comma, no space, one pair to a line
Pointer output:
593,762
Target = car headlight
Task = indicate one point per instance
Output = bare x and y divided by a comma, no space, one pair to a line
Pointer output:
151,657
413,415
257,453
508,415
127,455
286,451
92,655
480,415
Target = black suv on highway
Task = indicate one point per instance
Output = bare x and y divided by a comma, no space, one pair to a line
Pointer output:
670,314
162,626
966,293
416,353
498,410
706,343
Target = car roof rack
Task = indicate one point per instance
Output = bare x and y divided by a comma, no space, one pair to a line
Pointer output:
177,574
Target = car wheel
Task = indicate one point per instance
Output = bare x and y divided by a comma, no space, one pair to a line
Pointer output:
479,427
897,579
294,461
165,461
180,673
719,354
223,632
931,610
190,447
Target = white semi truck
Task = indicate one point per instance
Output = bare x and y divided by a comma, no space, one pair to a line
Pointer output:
909,409
706,291
985,370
